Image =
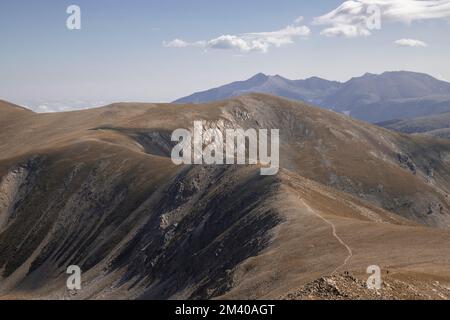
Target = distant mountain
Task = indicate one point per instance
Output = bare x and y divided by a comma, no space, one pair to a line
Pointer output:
435,125
371,97
310,90
391,95
386,110
389,86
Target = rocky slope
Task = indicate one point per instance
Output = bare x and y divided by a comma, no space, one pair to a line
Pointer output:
97,189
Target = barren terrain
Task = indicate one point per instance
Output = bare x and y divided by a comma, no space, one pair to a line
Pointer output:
97,188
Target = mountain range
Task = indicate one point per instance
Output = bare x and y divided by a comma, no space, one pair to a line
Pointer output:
97,189
373,98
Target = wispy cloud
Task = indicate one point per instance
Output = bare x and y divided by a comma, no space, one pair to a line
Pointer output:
248,42
410,43
176,43
353,18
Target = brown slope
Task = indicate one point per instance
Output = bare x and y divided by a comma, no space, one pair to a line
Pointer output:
96,188
11,114
409,175
412,257
7,107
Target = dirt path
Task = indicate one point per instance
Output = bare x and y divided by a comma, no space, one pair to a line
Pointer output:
334,233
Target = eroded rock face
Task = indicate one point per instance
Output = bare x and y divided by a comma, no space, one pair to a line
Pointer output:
181,237
206,232
14,187
9,188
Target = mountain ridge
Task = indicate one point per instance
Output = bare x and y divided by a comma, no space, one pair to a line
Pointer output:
370,97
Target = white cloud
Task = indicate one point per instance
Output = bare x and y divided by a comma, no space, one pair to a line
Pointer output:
359,17
248,42
176,43
349,31
410,43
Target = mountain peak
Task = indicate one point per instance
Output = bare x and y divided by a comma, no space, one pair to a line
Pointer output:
259,76
368,75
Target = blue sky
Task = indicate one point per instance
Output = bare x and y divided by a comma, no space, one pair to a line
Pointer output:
123,51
